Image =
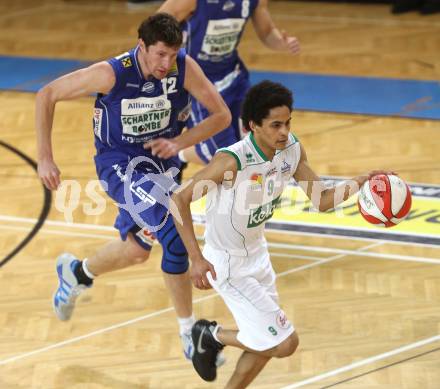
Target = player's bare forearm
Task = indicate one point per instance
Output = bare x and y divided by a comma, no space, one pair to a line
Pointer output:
332,197
44,109
204,130
281,41
183,220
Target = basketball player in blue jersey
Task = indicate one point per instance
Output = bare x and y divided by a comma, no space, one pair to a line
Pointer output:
214,29
142,101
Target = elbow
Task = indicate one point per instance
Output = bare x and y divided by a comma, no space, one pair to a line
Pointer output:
226,118
45,94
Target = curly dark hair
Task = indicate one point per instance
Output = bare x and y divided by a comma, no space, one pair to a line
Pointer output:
161,27
261,98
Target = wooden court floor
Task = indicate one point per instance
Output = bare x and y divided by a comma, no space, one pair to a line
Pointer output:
367,312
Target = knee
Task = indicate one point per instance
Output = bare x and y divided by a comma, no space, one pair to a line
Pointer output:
175,256
287,347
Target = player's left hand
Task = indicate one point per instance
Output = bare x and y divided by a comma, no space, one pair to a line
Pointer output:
198,271
162,147
292,43
365,177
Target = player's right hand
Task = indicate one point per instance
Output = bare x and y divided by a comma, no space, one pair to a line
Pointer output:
49,174
198,271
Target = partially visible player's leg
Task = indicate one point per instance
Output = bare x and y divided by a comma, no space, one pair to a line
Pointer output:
209,339
117,255
248,367
74,276
247,286
284,349
251,362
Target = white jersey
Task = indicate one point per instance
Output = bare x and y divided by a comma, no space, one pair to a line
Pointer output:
236,215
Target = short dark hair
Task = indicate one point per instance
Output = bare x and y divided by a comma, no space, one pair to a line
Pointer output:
261,98
160,27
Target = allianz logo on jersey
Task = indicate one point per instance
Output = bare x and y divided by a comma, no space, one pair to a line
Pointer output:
220,26
158,104
263,213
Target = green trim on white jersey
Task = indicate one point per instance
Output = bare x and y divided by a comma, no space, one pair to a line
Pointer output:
237,159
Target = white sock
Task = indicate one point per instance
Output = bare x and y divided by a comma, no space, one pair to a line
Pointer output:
215,332
181,156
86,269
186,323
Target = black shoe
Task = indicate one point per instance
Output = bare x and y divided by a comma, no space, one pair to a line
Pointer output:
206,349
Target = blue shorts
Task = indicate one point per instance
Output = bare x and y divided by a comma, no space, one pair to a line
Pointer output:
233,96
142,188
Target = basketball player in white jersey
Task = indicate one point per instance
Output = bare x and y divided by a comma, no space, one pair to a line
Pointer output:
245,182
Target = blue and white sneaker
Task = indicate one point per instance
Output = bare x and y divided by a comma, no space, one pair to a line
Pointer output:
188,349
187,345
68,288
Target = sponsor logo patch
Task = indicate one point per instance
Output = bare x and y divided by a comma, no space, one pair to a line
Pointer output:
285,167
148,87
228,6
271,172
256,181
250,157
126,62
261,214
145,115
146,236
282,320
142,194
97,121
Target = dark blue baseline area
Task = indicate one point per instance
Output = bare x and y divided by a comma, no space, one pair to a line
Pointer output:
28,74
360,95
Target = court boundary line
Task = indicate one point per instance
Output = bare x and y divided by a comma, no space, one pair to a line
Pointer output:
156,313
364,362
319,249
319,377
352,378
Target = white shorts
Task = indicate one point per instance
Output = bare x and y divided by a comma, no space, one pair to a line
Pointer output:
247,286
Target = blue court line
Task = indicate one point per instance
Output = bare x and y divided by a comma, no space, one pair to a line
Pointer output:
29,74
360,95
312,92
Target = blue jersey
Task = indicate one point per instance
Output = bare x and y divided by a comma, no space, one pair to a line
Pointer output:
214,32
137,110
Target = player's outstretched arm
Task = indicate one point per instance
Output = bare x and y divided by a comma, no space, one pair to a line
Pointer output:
204,91
324,198
269,34
95,78
180,9
222,167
